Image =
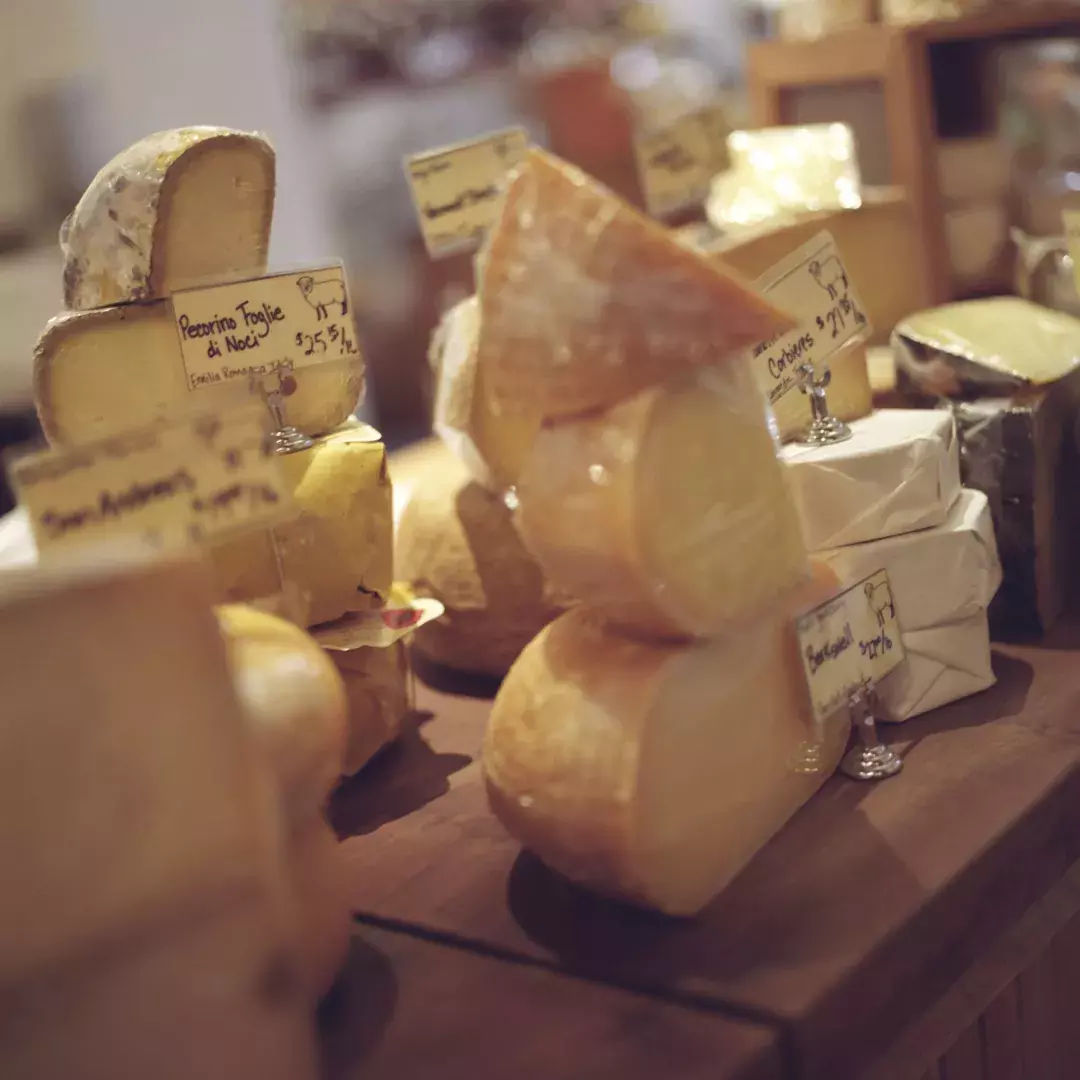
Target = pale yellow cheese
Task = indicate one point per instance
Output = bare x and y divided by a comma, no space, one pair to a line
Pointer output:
377,686
456,542
670,513
492,443
584,301
337,554
654,772
97,373
177,209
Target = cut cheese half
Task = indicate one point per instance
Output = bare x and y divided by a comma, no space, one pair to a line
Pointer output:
377,685
98,373
654,772
670,513
177,209
456,542
584,301
491,442
336,555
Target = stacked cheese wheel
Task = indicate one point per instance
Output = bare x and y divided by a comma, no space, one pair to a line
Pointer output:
650,740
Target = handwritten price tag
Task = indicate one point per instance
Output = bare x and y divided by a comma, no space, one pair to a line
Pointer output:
166,486
814,286
1071,220
850,640
457,189
263,326
676,163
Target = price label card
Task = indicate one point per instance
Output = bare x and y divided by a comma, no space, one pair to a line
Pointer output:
263,326
457,190
850,640
1071,220
813,285
676,163
188,481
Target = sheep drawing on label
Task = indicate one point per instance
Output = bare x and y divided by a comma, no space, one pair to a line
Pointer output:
322,295
829,274
880,599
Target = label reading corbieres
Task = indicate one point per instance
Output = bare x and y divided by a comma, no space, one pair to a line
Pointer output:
167,486
813,285
677,162
457,190
852,639
264,326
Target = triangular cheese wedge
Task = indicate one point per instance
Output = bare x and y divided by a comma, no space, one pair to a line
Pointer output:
584,301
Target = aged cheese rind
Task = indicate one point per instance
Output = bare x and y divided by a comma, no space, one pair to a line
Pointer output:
670,513
899,471
177,209
98,373
492,443
584,301
377,686
337,553
456,542
653,772
849,395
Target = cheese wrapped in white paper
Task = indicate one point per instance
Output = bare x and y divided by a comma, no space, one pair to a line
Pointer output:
654,772
670,513
899,471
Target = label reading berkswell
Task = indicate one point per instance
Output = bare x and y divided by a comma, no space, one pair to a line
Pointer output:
813,285
851,640
166,486
457,189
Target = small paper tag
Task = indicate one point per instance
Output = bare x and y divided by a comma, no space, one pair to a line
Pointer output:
377,629
676,163
1071,220
166,486
457,189
264,326
852,639
813,285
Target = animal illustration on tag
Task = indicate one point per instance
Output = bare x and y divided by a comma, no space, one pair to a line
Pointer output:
322,295
829,274
880,599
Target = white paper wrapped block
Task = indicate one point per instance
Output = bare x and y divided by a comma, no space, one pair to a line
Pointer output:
899,471
942,664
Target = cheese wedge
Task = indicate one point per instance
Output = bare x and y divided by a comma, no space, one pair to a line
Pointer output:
654,772
456,542
337,554
178,209
670,513
492,443
377,686
584,301
849,395
98,373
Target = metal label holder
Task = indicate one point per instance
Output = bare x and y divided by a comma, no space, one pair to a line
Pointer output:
825,429
869,758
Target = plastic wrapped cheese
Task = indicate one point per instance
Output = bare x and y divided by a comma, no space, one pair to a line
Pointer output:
456,542
654,772
899,471
377,685
99,373
584,301
491,443
337,554
177,209
670,513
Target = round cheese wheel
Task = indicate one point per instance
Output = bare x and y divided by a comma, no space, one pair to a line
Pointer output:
456,542
377,687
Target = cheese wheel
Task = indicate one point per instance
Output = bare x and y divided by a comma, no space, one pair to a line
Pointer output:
377,687
294,700
492,443
99,373
584,301
456,542
849,395
177,209
654,772
670,513
337,554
